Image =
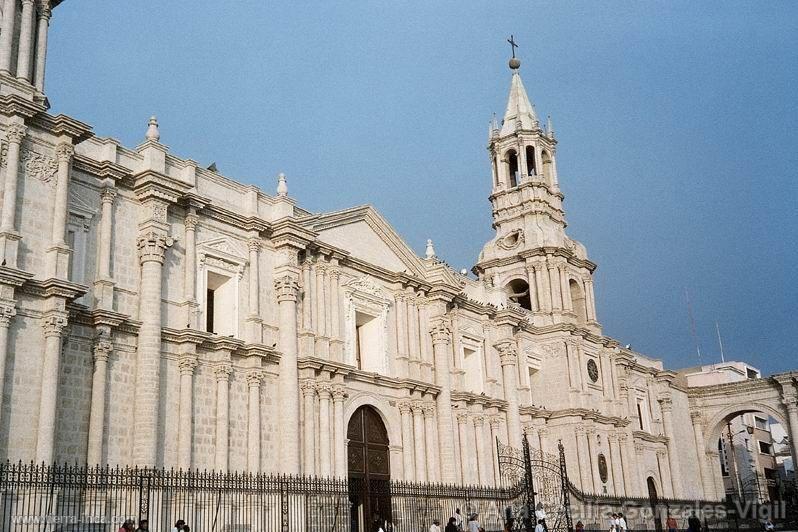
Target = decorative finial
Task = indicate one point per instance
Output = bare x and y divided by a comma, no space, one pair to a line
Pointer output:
549,127
515,63
282,186
152,130
430,252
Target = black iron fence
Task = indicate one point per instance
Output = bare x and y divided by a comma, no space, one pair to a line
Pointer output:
38,498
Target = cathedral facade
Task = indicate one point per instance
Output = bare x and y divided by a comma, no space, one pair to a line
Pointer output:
157,313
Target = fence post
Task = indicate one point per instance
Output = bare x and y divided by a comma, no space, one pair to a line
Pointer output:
284,521
566,487
144,495
530,519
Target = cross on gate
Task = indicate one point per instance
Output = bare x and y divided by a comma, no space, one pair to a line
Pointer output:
512,44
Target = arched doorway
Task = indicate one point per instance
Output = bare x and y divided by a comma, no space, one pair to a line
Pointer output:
653,499
369,466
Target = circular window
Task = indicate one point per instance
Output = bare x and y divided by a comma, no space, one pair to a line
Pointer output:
592,370
602,466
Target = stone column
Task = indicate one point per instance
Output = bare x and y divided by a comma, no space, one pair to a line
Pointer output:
441,340
7,34
41,46
590,300
593,460
254,290
429,442
321,271
7,311
412,330
495,427
401,320
584,459
308,388
466,463
555,286
534,288
58,253
152,248
706,475
544,286
190,272
665,474
405,410
788,398
565,286
223,372
629,464
418,441
508,354
14,135
325,394
254,378
24,54
107,197
54,325
102,351
287,288
482,456
335,312
617,469
340,432
673,461
187,364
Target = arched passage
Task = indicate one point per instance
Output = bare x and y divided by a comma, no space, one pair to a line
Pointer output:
578,301
369,469
517,291
512,168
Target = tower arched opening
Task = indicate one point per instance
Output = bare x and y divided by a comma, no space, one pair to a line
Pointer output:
531,164
512,168
518,292
578,300
548,170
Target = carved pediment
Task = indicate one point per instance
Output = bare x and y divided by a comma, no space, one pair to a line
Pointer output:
223,253
366,285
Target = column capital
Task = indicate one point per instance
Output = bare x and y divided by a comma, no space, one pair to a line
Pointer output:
666,404
697,418
187,364
7,311
44,12
479,420
108,194
152,246
789,401
324,390
287,288
307,387
462,418
441,332
191,221
27,2
254,244
334,272
429,409
660,454
418,407
339,394
623,437
223,371
15,133
405,406
254,378
64,152
543,432
102,349
508,352
580,430
495,422
639,448
55,323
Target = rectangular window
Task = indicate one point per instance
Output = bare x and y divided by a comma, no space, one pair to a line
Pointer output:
751,373
368,354
724,459
472,365
761,424
220,305
765,448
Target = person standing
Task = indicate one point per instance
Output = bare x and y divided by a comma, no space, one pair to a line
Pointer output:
451,526
670,524
458,519
693,523
179,525
473,524
621,523
539,526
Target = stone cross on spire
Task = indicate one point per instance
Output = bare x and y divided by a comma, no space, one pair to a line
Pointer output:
513,46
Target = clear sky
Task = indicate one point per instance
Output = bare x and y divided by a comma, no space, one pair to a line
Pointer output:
676,124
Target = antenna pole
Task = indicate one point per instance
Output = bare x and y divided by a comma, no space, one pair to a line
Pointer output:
692,324
720,342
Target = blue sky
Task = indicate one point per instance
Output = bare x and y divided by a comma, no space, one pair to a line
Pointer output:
675,120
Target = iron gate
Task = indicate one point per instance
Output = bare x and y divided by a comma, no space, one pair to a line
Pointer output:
543,480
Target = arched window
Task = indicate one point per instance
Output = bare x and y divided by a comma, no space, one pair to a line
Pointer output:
578,300
518,292
512,167
548,171
530,161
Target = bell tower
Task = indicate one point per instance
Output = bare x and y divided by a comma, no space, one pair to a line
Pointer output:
531,259
24,28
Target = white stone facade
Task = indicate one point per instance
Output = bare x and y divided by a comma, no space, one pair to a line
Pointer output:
117,261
